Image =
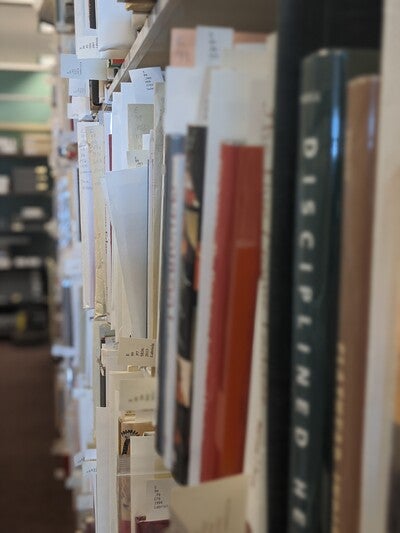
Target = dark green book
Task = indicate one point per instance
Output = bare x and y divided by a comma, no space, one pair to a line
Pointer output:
315,280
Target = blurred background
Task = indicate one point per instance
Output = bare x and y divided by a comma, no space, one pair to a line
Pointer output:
32,491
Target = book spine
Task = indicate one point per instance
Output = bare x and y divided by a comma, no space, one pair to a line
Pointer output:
302,28
279,312
223,239
243,271
358,195
174,146
188,286
315,283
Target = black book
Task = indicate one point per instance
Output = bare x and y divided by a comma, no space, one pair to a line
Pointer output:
94,92
302,27
190,248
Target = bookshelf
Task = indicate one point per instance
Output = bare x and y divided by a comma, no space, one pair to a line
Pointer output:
96,351
24,242
192,152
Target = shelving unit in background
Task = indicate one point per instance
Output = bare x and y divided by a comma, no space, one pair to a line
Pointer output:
25,246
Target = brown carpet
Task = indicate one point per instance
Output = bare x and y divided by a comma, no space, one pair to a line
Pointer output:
31,500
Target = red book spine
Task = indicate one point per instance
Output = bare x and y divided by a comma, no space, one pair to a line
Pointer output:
244,271
225,207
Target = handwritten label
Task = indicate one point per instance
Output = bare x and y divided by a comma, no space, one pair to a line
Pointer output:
84,455
137,158
220,507
79,458
138,394
138,352
210,42
182,47
143,80
89,467
79,107
78,87
87,47
140,123
157,498
87,69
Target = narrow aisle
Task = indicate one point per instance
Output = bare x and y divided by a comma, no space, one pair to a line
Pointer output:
30,498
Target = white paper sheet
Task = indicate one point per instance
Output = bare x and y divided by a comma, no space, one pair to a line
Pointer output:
143,80
128,197
114,26
87,216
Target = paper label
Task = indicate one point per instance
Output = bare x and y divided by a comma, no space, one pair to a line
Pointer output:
84,502
84,455
138,394
182,98
137,158
89,467
87,47
138,352
78,87
157,498
220,507
85,69
79,458
210,42
143,80
79,107
140,122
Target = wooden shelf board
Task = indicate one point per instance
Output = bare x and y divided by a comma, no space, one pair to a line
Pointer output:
151,47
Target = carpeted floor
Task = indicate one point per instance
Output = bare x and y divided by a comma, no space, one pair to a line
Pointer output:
31,500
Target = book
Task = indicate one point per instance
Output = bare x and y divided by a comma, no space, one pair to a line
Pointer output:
190,246
241,265
172,209
301,29
356,248
393,513
229,89
315,280
182,95
382,358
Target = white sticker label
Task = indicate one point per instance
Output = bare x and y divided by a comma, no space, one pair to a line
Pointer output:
84,455
210,43
137,158
137,352
138,394
157,498
78,458
78,87
87,47
87,69
84,502
89,467
220,506
143,80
